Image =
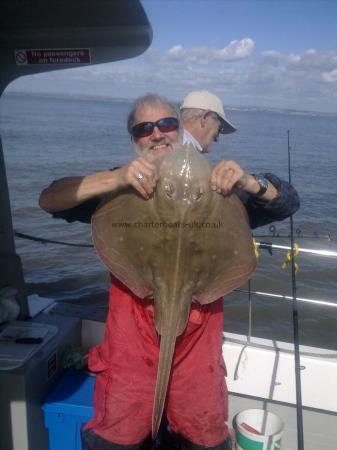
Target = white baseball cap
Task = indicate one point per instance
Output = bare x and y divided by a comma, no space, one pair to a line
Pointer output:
209,102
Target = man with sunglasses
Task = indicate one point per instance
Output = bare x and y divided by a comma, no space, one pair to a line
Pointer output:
126,360
154,128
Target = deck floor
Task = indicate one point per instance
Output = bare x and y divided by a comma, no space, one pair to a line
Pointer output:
319,429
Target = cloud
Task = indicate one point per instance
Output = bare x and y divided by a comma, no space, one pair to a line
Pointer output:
305,80
176,52
309,60
330,77
235,50
272,54
313,60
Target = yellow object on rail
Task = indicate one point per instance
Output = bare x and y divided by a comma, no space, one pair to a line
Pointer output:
289,257
256,248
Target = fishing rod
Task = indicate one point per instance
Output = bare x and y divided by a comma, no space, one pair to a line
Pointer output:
262,244
270,246
325,237
288,297
300,441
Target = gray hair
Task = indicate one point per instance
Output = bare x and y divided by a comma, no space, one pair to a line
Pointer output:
188,114
149,99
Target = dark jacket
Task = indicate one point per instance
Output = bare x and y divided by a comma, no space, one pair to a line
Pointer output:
259,212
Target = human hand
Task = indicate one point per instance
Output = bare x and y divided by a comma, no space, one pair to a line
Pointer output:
141,175
227,174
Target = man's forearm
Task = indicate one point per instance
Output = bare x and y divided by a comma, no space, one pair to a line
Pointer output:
263,212
71,191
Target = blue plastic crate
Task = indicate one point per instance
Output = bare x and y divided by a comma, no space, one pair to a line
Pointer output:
67,408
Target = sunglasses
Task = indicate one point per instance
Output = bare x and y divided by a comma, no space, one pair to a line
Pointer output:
164,125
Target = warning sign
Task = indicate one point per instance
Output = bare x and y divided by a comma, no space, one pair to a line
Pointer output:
53,56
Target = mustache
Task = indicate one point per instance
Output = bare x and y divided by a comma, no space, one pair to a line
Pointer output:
150,154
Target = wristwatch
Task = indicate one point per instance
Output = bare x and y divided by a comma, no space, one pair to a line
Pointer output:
263,183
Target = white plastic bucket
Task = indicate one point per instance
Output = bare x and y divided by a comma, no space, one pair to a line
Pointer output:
257,429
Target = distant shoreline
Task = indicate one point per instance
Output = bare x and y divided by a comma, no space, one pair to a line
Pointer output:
65,96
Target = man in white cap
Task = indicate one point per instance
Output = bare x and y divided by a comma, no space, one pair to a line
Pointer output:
265,196
203,119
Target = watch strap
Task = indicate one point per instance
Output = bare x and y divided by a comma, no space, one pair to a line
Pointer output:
263,183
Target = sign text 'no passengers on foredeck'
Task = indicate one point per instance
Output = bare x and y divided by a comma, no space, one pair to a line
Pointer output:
52,56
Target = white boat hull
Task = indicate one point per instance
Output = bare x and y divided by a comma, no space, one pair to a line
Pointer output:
261,374
266,369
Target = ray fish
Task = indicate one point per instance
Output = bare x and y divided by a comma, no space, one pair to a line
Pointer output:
185,244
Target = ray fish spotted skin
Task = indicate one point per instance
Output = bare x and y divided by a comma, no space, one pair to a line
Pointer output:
186,243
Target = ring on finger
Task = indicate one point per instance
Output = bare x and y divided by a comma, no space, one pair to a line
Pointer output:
140,176
228,172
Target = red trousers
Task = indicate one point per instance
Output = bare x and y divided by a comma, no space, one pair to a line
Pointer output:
126,366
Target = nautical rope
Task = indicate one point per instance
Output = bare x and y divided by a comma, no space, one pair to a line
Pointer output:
48,241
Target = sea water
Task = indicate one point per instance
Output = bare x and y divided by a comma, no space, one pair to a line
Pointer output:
50,137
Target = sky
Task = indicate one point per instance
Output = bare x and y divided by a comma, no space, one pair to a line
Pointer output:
251,53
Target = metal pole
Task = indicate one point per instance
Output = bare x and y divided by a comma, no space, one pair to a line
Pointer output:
300,441
11,272
311,251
